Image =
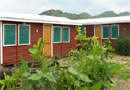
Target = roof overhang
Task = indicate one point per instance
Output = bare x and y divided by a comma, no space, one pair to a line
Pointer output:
32,18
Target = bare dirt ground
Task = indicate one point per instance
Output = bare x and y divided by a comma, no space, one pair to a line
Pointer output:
121,84
121,59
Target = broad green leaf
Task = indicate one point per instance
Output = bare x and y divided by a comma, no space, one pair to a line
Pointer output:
26,74
97,86
85,88
27,85
17,74
73,71
89,69
35,77
90,57
2,88
42,46
84,78
33,50
114,67
50,76
39,41
81,66
24,65
77,83
2,81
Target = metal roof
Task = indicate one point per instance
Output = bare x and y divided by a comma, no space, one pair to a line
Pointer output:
108,20
18,17
4,16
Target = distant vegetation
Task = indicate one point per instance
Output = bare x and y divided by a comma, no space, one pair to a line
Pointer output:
122,45
83,15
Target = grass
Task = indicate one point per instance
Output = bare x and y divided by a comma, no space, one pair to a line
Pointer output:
125,59
124,74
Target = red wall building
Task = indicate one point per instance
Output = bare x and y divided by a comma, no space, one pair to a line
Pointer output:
11,54
63,48
90,30
58,32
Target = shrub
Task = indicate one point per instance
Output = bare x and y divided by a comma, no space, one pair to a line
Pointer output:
43,78
87,69
122,45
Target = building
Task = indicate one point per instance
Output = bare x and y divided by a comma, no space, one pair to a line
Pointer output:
18,32
105,28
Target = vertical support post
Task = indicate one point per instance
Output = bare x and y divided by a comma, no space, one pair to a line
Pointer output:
1,44
51,40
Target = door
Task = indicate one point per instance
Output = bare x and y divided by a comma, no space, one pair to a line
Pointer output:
98,32
47,37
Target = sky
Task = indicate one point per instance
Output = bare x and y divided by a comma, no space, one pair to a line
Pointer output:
93,7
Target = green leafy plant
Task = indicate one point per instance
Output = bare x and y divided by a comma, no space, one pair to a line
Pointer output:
10,82
88,68
122,45
43,78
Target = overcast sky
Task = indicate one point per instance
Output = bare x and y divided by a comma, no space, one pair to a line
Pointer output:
93,7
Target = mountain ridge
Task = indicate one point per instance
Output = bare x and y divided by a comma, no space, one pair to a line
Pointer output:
83,15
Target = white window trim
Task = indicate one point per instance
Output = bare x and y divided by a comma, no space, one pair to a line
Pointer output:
60,34
1,46
15,35
29,35
68,33
111,31
52,40
102,31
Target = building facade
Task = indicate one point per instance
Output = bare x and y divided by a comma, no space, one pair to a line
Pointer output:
19,32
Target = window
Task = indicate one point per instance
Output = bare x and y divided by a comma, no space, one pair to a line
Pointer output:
66,34
9,34
83,29
105,32
114,31
57,35
24,34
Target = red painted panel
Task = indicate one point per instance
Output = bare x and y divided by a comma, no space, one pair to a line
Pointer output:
11,54
23,49
57,49
63,49
90,30
124,27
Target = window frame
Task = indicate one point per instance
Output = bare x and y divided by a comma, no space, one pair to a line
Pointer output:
15,35
102,32
68,34
60,34
19,34
111,31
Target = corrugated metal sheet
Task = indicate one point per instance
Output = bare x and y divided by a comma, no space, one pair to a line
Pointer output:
108,20
60,20
36,18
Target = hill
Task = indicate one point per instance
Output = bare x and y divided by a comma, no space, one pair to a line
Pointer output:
83,15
